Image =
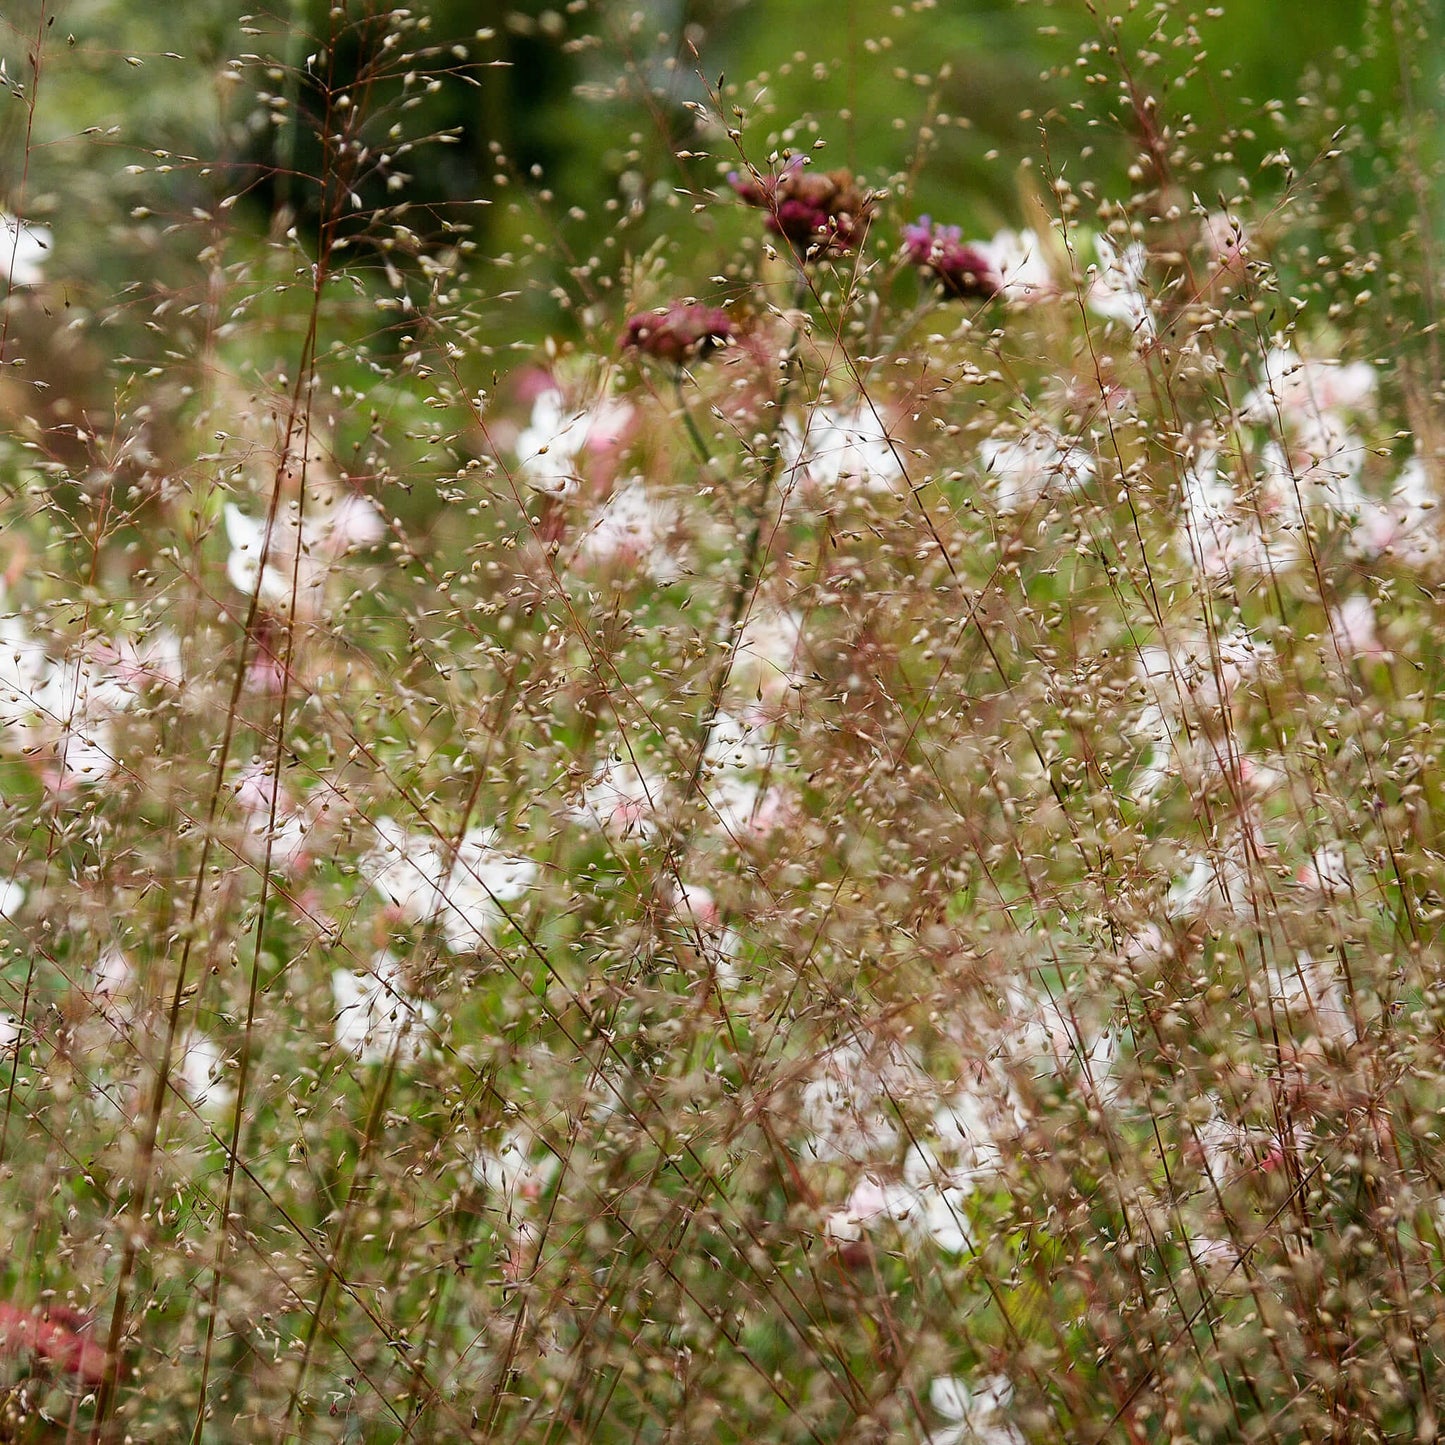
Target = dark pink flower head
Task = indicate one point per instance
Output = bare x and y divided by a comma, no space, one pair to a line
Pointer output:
818,211
963,271
679,333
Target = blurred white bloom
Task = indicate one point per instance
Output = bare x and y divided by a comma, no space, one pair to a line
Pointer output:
1303,392
64,711
22,251
1326,871
766,664
1320,472
1405,528
977,1412
1019,260
376,1017
927,1212
1353,630
9,1030
258,796
1312,992
549,447
111,985
1189,691
518,1170
961,1147
849,1107
623,798
462,889
870,1202
198,1073
302,550
1035,464
1224,1149
1219,881
737,766
12,899
1221,533
631,531
1117,289
1212,1253
837,449
1044,1031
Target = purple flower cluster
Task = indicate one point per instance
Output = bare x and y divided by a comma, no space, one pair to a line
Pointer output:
962,270
818,211
680,333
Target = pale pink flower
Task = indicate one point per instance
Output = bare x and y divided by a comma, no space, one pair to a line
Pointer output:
1352,627
631,533
550,448
1301,392
624,798
273,824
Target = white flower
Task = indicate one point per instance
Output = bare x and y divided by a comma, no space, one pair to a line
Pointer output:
12,899
1190,691
1302,392
737,764
63,709
765,666
977,1412
837,450
518,1170
1321,471
623,798
1035,464
198,1074
1018,259
1353,630
549,447
927,1212
375,1016
1405,527
1217,882
302,550
22,251
1311,992
1221,534
849,1107
1326,871
631,532
1117,290
461,889
111,985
